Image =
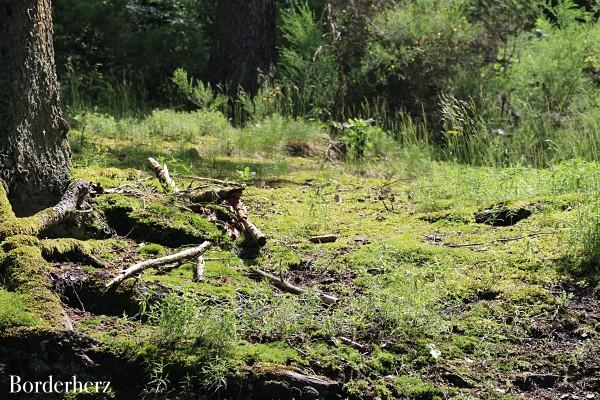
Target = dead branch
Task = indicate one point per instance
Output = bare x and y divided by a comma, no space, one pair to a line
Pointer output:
248,226
199,271
353,343
213,180
157,262
285,286
324,238
216,195
162,173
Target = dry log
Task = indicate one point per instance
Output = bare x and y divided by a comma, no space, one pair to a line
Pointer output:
324,238
248,226
162,173
199,271
157,262
284,285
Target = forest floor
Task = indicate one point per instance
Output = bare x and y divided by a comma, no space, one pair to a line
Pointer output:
431,303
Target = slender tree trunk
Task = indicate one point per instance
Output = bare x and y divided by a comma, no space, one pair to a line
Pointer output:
34,151
245,42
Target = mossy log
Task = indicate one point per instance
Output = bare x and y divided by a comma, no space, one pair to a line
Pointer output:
26,271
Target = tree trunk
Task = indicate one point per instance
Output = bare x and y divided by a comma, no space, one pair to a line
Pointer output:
245,42
34,150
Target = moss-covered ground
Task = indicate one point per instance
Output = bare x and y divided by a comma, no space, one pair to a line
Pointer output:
431,303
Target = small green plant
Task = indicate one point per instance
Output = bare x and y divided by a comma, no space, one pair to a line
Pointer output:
246,174
356,135
197,92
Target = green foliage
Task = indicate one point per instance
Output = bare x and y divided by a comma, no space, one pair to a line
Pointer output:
418,47
585,240
307,68
137,41
359,136
198,93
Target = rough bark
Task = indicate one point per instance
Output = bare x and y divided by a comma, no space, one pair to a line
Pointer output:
34,151
245,42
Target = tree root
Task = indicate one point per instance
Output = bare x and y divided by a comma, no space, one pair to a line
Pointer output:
73,250
34,225
26,274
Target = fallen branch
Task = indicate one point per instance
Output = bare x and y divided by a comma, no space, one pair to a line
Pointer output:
157,262
324,238
199,271
285,286
216,195
353,343
248,226
162,173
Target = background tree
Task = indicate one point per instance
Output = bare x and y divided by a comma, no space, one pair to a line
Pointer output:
244,42
34,150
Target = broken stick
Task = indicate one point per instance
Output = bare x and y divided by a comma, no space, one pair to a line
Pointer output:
288,287
162,173
199,271
157,262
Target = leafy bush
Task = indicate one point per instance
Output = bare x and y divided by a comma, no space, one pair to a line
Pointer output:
418,47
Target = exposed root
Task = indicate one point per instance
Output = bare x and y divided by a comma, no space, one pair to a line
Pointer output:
72,250
26,274
71,200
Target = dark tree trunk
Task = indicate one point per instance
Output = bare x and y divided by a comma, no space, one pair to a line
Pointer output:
245,42
34,151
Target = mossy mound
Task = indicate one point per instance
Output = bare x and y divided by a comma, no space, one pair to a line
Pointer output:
157,222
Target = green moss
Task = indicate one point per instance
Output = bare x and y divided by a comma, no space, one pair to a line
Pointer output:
358,388
13,312
13,242
152,249
414,388
273,353
26,275
157,222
